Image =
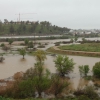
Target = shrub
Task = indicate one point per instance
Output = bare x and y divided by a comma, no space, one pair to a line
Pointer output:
57,44
41,46
30,44
83,97
84,69
58,85
96,69
87,91
3,98
2,45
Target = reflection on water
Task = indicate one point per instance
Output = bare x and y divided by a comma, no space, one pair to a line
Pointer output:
15,63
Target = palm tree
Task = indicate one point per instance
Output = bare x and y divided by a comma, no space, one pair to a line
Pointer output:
22,52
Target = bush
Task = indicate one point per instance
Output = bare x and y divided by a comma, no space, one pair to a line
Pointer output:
30,44
58,85
3,98
84,69
87,91
96,70
41,46
83,97
57,44
2,45
6,48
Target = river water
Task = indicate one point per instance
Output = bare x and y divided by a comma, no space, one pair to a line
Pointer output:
15,63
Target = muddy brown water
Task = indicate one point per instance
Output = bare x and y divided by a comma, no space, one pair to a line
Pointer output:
15,63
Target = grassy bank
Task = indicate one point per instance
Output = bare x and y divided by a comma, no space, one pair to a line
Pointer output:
88,47
71,52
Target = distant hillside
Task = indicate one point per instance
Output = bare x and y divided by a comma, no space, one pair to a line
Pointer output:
30,28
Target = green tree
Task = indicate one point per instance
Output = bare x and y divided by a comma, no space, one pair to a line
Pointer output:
26,88
64,65
30,44
11,29
32,28
2,45
84,69
10,41
96,69
40,55
71,40
40,77
76,38
26,41
83,39
41,80
22,52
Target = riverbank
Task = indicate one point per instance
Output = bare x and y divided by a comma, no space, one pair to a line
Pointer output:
56,50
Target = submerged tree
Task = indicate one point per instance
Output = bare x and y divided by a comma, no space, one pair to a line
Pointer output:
71,40
2,58
84,69
75,39
10,41
30,44
22,52
26,41
83,40
40,55
64,65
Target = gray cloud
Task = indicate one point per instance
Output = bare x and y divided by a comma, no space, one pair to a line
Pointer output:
65,13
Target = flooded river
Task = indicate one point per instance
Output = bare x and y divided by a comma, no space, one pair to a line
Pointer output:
15,63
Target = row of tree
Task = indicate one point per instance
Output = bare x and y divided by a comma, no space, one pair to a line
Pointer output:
26,28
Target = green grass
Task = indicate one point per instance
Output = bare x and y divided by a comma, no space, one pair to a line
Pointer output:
88,47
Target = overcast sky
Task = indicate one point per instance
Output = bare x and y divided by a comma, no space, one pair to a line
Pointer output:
75,14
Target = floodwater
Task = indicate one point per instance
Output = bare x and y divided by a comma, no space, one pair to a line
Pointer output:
15,63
